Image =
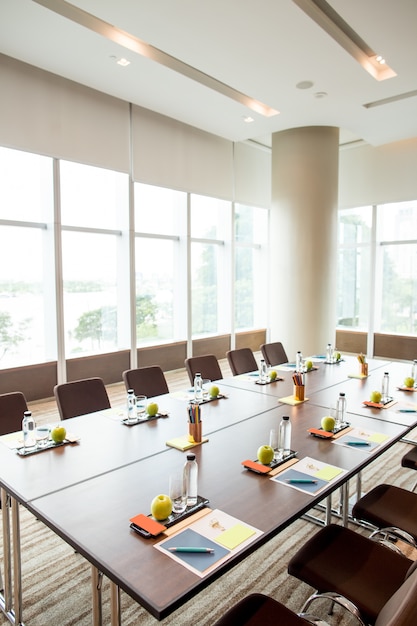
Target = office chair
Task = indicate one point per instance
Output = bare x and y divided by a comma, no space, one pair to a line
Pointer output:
374,583
260,610
391,510
409,460
79,397
207,365
12,407
149,381
274,353
241,361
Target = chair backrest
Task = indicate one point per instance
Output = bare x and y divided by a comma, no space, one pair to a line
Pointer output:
79,397
274,353
149,381
401,608
12,407
241,361
207,365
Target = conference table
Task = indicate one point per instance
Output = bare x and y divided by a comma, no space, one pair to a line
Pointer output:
114,472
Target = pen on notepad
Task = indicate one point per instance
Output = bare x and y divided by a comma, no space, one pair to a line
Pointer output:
302,481
190,549
358,443
407,411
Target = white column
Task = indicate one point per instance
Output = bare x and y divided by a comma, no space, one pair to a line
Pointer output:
303,238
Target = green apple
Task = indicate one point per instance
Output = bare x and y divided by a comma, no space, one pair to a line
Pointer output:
265,454
328,423
161,507
272,375
409,382
58,434
214,391
337,356
152,409
309,365
376,396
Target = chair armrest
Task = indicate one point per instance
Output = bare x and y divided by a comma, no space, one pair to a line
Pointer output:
335,598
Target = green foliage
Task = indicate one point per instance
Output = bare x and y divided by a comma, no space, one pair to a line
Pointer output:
10,335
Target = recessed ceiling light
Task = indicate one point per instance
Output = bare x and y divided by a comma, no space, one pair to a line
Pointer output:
305,84
123,62
248,119
320,94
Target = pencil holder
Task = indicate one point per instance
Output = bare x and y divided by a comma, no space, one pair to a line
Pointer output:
299,392
194,432
364,369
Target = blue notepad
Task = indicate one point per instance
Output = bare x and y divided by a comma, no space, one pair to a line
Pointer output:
189,538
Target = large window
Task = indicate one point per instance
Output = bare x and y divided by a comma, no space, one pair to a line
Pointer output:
354,267
27,302
160,260
251,271
211,221
86,259
397,297
377,279
94,213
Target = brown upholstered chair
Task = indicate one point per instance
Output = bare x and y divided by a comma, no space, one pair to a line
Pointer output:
12,407
241,361
391,510
409,460
207,365
149,381
79,397
376,584
260,610
274,353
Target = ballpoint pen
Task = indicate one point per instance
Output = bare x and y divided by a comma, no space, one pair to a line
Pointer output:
358,443
302,481
190,549
407,411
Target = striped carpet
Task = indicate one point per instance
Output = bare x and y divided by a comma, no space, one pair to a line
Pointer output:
56,581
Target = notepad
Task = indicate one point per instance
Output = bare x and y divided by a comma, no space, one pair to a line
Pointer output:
328,472
236,535
291,400
182,443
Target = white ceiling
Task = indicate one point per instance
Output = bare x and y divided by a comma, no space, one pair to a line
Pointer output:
261,48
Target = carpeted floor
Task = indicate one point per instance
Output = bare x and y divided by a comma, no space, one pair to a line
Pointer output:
56,581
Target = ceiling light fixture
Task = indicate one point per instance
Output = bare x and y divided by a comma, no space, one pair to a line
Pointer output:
128,41
123,62
248,119
334,25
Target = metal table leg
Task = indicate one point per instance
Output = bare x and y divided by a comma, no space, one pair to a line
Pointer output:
115,605
96,584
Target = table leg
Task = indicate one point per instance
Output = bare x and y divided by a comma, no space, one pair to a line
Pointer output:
345,503
96,582
17,562
6,599
115,605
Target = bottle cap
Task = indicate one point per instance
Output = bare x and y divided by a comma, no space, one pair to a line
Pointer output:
130,391
285,417
342,394
27,413
191,456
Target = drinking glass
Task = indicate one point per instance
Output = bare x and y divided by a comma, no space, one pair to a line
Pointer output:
141,402
178,492
42,436
206,388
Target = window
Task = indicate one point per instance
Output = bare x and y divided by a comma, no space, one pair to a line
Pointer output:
377,268
27,300
354,267
251,272
396,303
210,265
160,262
95,267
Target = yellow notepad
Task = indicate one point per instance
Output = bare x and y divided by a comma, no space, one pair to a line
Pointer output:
182,443
291,400
235,536
328,472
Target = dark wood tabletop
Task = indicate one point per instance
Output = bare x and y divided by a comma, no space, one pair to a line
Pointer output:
87,492
98,525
